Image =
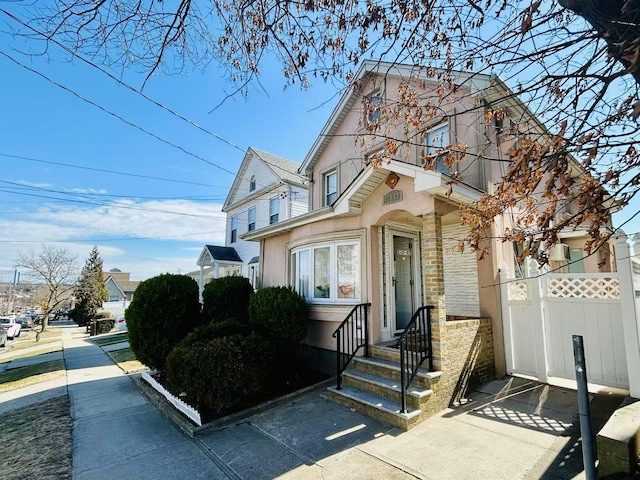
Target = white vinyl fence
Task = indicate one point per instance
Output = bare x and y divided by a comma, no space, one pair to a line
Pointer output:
543,312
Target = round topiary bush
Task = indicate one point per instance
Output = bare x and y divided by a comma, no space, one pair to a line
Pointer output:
217,375
279,314
163,311
226,297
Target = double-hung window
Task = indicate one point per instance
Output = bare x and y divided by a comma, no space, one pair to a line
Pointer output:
330,187
234,229
251,219
372,107
327,272
437,140
274,210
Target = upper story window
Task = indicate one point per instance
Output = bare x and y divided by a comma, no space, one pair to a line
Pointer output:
372,107
327,272
251,220
274,210
252,183
234,229
438,139
330,188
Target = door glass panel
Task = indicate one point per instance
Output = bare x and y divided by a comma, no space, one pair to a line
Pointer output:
403,280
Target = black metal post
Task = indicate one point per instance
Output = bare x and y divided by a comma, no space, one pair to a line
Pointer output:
584,411
338,355
366,331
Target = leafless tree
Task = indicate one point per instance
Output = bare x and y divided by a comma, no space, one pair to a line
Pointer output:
56,269
574,62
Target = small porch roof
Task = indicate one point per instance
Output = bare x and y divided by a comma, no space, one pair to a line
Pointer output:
351,200
213,254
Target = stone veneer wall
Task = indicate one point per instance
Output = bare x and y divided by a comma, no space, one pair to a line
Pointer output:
460,274
466,362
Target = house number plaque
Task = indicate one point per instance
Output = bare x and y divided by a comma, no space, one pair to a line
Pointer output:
392,197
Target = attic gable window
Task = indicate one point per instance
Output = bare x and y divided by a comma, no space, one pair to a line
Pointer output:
438,139
252,183
372,107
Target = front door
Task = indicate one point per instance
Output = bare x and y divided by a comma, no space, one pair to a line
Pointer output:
403,281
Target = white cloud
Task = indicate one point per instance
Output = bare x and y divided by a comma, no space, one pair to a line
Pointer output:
87,190
77,228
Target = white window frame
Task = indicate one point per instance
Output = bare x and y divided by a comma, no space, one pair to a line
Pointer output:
326,194
252,183
274,201
251,226
333,297
233,236
431,149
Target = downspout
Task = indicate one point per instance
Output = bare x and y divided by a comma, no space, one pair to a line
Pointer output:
289,198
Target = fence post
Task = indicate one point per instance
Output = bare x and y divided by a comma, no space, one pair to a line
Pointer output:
506,317
629,313
538,293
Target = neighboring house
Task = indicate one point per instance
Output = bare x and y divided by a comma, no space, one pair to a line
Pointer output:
266,191
119,287
388,236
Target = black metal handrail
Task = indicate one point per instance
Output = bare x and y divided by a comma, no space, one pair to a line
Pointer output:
351,335
415,347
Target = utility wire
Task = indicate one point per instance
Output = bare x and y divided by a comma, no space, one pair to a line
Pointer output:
115,115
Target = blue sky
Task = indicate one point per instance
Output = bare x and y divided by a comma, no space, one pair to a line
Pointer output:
144,226
129,217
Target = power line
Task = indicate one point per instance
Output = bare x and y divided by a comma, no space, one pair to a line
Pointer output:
82,167
115,115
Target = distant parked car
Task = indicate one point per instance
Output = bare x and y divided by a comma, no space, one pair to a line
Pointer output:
25,322
12,327
3,337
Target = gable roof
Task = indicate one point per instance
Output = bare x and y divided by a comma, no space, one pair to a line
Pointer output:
476,81
286,170
219,254
123,285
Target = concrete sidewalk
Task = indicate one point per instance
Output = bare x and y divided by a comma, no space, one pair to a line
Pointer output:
508,429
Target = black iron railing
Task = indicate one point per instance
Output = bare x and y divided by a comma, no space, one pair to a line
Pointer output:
415,347
351,335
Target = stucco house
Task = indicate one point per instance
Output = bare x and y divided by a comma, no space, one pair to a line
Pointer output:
266,191
119,286
380,242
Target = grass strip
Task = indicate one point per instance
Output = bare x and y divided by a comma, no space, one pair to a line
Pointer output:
28,339
31,374
47,349
37,441
126,360
120,337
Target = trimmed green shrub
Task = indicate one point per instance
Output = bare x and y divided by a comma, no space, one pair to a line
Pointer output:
226,297
101,315
280,315
217,375
105,325
163,311
213,330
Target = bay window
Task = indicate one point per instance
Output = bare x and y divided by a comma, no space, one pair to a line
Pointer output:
327,272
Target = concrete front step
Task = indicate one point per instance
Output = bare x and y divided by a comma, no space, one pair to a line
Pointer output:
375,406
385,387
391,369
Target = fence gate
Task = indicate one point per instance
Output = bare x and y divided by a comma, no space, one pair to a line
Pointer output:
542,313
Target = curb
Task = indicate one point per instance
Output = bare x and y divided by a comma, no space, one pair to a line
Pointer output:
192,430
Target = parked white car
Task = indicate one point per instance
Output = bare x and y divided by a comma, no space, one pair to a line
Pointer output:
121,323
10,326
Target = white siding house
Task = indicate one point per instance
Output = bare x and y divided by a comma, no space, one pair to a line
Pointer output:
266,190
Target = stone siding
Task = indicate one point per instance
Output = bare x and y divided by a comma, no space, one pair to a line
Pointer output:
466,361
